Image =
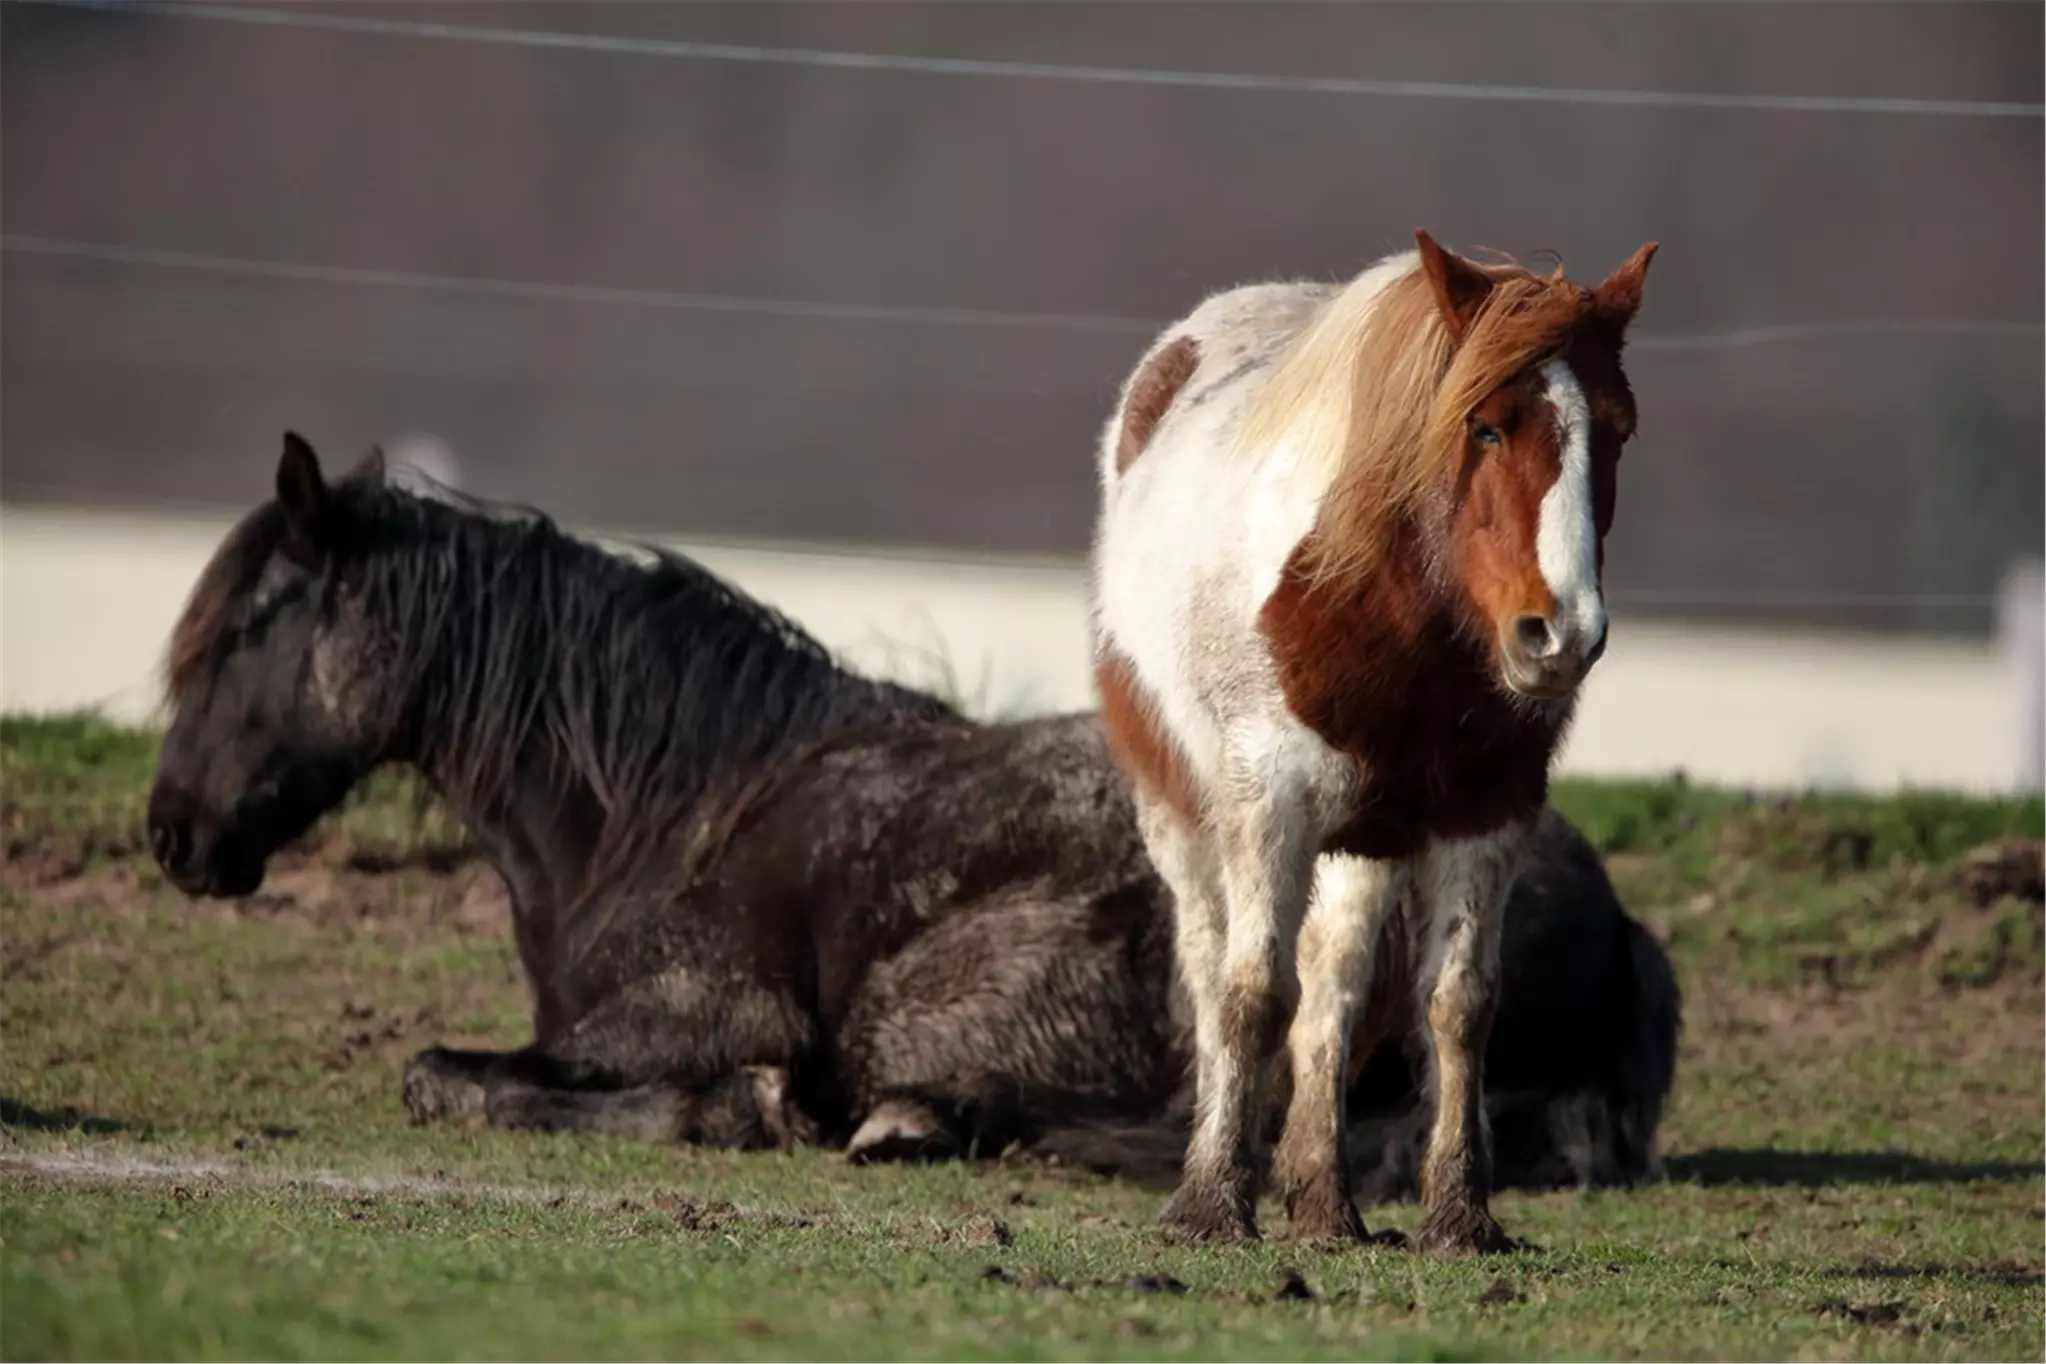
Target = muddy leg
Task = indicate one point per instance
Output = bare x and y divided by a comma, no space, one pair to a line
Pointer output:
1213,1201
1241,1016
1464,887
1338,949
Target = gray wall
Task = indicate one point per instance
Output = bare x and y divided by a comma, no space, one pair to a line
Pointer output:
1824,479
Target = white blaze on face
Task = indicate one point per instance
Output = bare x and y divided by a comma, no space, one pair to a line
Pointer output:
1566,537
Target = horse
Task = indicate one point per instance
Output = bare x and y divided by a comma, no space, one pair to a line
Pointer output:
761,900
1346,583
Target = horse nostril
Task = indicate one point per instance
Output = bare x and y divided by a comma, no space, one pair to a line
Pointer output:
171,841
1533,635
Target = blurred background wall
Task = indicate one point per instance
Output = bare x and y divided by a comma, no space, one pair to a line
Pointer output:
862,278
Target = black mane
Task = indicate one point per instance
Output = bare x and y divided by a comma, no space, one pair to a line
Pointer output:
652,681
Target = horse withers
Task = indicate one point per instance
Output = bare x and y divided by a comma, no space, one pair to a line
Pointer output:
1347,582
761,900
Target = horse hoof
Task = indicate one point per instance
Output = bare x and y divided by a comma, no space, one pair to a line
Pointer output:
898,1131
1323,1216
434,1092
1197,1217
1464,1231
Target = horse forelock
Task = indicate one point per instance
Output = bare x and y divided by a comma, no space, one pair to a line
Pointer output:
1378,395
214,602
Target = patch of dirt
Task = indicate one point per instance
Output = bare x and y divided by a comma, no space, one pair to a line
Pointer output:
1728,1020
423,902
325,970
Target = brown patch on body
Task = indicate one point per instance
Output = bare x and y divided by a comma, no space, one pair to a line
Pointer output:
1441,752
1149,396
1139,741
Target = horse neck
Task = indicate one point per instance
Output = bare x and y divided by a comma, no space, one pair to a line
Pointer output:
539,831
634,703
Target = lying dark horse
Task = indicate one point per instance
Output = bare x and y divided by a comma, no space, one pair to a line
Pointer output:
763,900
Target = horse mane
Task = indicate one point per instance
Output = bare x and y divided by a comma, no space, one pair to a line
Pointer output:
1376,396
650,680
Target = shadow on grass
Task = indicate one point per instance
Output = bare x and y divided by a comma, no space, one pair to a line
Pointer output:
1813,1169
67,1119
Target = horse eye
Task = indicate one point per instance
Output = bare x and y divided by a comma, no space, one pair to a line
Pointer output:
1487,435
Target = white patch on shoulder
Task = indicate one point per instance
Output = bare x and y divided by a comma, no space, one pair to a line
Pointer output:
1566,536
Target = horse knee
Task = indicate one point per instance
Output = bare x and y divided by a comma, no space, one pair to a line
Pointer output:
1256,1013
1461,1006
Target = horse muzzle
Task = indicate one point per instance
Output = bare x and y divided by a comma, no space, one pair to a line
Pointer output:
200,860
1546,659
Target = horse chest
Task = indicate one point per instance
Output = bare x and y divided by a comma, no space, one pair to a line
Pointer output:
1435,750
1427,772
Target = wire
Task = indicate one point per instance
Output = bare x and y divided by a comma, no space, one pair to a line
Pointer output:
1097,75
153,258
574,293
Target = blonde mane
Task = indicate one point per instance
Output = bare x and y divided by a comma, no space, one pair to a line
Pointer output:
1377,399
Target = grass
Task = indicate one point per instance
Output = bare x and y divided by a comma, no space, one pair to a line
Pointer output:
202,1153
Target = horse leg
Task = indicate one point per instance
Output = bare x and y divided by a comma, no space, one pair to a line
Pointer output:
1339,947
747,1109
1266,865
1023,1009
662,1060
1214,1200
1465,883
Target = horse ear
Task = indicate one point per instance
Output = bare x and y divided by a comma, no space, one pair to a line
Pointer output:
1619,298
370,469
303,495
1460,287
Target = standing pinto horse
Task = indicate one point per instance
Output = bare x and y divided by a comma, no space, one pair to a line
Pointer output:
1347,584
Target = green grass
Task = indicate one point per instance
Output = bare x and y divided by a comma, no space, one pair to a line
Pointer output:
202,1153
